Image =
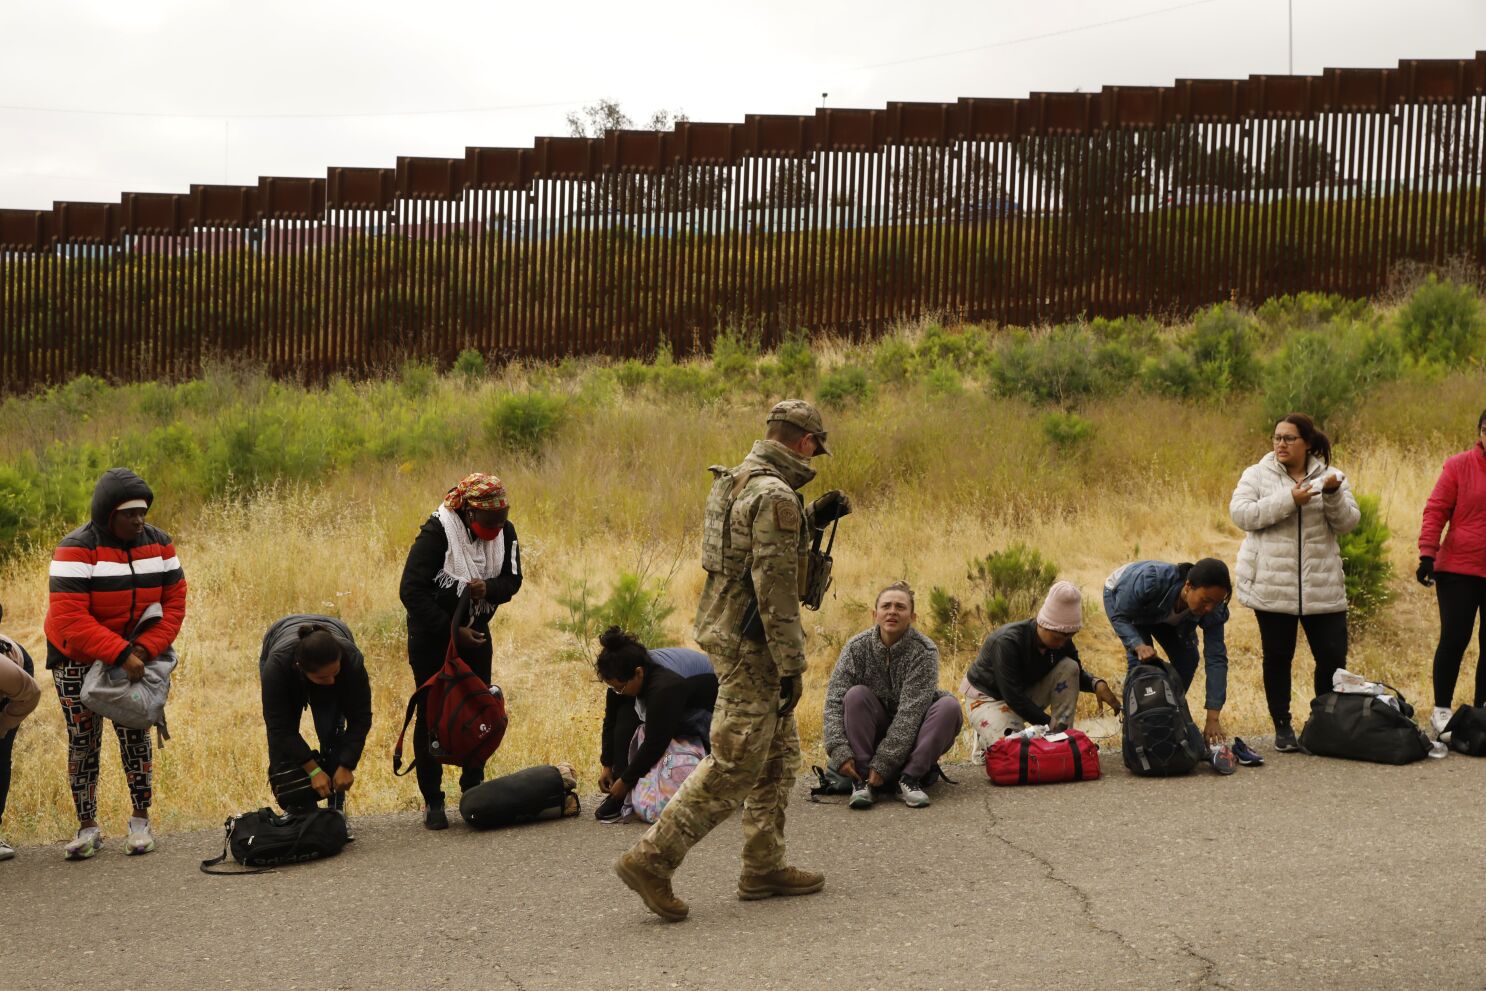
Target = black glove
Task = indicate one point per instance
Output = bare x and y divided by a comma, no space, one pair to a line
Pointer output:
1425,574
791,687
609,810
829,508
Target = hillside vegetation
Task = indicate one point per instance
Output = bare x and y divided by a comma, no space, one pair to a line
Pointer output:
1088,444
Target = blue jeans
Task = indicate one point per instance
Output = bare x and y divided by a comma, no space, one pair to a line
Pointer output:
1178,643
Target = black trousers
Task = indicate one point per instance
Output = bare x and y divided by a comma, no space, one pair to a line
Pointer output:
1326,633
1460,598
330,724
426,663
626,721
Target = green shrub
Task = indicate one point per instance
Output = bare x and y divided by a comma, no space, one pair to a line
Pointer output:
1053,367
1012,582
963,350
943,380
79,395
844,386
793,368
734,358
1138,333
1327,372
1441,322
1308,311
1066,431
635,604
949,622
1223,348
892,361
1365,560
21,512
525,421
417,379
470,365
632,375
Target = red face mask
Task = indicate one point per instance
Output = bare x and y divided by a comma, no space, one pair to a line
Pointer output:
484,532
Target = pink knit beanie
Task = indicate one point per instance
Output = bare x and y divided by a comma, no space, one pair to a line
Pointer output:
1063,609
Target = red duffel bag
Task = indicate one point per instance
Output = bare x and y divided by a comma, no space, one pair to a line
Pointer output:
1019,760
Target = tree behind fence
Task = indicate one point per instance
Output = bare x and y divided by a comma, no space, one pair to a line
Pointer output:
1131,200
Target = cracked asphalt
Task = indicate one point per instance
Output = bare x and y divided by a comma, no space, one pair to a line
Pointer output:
1306,873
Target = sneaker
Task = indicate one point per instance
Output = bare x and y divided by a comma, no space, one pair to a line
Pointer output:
435,818
861,796
1245,754
1284,737
653,890
88,841
912,792
1439,719
141,840
1222,760
785,881
6,850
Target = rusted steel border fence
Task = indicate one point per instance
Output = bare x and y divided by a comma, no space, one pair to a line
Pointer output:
1130,200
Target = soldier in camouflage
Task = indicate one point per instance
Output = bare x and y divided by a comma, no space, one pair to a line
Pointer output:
755,544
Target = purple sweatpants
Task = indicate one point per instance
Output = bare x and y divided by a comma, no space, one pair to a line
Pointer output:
867,723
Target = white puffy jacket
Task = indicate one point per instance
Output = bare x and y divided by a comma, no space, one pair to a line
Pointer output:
1289,561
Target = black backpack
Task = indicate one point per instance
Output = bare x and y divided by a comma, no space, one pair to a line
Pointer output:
1363,727
264,840
1160,740
1467,729
522,796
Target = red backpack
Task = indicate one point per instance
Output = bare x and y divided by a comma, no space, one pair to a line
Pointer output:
466,717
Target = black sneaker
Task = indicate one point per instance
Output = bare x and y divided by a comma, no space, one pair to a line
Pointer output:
1284,737
434,818
1245,754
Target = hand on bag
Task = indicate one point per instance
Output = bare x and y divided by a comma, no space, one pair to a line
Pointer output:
830,507
1145,652
1105,694
1212,731
476,589
1425,574
468,639
606,778
791,687
1302,493
321,783
343,780
134,663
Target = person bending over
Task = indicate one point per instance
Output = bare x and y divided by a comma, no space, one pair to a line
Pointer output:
312,662
1027,668
19,694
671,691
886,719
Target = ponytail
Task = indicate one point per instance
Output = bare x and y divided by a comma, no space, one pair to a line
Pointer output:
317,648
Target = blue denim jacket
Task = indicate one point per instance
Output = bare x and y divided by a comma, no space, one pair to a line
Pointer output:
1142,595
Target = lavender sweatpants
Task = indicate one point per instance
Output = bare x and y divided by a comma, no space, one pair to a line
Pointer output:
867,723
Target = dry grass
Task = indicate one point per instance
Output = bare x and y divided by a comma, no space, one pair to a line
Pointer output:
937,481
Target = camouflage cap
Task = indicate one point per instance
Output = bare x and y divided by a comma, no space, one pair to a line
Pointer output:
803,415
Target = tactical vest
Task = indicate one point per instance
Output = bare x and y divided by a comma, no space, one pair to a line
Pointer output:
719,556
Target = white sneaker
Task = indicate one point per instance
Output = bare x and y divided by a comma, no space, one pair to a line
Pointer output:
861,796
912,792
141,840
6,850
1439,719
88,841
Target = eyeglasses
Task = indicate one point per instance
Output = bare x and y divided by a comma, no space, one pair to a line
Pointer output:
1286,439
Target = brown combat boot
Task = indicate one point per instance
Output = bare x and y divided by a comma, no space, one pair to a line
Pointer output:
785,881
654,891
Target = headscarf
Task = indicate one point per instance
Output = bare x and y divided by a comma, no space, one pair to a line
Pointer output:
477,491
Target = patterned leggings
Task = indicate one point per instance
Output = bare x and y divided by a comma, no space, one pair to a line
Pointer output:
85,743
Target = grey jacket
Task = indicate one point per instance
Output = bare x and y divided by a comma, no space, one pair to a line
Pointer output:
905,679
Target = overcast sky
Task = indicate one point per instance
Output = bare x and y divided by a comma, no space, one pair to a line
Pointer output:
199,91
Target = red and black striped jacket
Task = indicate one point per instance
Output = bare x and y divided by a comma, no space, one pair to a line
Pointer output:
100,586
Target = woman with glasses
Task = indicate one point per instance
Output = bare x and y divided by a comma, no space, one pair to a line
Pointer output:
1456,567
1291,506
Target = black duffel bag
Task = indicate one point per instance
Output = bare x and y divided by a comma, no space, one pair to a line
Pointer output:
1363,727
264,840
1467,730
522,796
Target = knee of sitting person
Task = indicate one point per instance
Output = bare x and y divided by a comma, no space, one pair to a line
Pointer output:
1065,667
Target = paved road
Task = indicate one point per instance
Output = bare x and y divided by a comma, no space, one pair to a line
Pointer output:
1307,873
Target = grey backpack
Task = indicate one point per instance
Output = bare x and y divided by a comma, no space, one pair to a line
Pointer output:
140,704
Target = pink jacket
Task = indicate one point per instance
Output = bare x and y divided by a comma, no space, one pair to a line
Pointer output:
1459,500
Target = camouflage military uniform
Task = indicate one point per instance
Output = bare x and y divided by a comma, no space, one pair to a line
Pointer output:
755,751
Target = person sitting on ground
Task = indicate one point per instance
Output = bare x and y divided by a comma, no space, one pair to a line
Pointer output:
1154,602
886,719
1028,667
19,695
670,691
312,662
